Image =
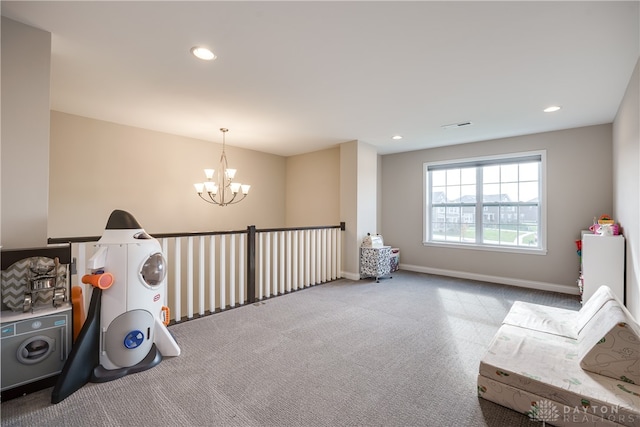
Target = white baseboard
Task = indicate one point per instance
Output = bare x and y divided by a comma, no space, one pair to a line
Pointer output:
543,286
350,276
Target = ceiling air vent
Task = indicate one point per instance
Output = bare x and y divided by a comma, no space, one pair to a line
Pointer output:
456,125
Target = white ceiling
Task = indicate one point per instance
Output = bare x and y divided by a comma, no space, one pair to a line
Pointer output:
297,76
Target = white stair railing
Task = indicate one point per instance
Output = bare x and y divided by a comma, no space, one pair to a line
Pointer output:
210,272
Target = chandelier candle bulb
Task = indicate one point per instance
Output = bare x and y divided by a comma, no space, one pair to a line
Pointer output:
221,190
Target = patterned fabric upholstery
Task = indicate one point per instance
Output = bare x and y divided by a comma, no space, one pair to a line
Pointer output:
574,367
609,344
593,305
550,320
557,321
546,366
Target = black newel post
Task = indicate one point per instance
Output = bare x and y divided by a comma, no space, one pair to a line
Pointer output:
251,264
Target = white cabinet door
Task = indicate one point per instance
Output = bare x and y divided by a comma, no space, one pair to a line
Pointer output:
602,264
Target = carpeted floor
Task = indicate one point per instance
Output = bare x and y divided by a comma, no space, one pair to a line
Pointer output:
402,352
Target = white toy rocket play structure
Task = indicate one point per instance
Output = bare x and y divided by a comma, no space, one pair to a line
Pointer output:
126,326
133,317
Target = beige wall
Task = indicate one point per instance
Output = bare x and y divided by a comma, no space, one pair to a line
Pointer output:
579,182
98,166
313,188
25,135
626,185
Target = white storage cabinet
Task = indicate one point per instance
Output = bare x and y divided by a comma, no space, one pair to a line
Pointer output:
602,264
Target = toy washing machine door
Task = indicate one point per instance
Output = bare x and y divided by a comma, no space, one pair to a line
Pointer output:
35,349
129,338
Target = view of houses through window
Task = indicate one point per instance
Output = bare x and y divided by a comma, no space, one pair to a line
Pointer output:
492,202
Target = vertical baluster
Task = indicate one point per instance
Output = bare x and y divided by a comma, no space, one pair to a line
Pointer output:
339,252
267,264
259,268
334,232
299,258
190,277
223,278
241,267
294,261
312,257
301,262
288,257
307,258
318,256
319,265
232,270
165,247
212,273
281,258
268,283
177,263
323,258
201,299
274,264
309,255
319,252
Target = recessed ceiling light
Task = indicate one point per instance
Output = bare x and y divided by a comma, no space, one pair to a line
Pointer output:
202,53
396,137
551,109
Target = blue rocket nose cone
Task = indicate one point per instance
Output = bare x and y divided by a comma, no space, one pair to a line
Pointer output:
122,220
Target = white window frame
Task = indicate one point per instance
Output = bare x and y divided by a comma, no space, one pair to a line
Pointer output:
542,233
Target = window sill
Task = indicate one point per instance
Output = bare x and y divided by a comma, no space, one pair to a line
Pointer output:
471,246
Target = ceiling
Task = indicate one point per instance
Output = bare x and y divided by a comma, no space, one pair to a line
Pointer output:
297,76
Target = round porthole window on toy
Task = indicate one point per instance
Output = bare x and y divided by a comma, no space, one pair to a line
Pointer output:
35,349
154,270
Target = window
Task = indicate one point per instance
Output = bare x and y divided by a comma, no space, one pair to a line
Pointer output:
492,203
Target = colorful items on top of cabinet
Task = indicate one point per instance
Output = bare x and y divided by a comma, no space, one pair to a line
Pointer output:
605,226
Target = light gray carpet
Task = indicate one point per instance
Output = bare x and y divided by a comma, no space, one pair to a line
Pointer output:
402,352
